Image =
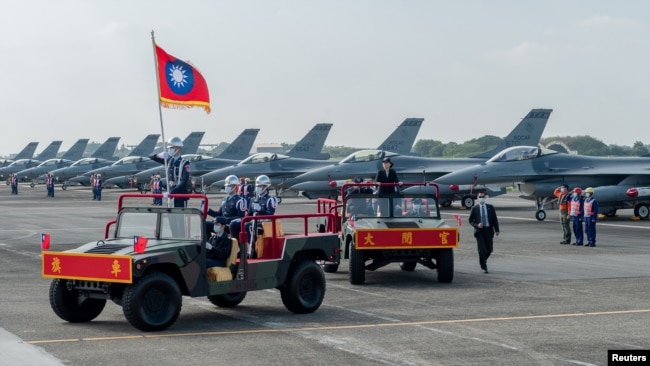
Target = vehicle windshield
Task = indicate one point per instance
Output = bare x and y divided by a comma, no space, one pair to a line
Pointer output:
404,205
160,225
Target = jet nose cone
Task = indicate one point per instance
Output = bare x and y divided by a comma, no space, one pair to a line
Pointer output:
80,179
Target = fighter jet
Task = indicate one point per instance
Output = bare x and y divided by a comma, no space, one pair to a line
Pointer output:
103,156
326,181
238,149
26,153
190,145
619,182
21,164
278,165
73,154
136,161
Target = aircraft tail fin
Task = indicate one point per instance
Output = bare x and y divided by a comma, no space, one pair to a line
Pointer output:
527,132
76,151
402,139
192,142
146,146
107,149
241,146
50,151
27,152
310,146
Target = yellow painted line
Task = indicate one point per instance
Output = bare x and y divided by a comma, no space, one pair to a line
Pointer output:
339,327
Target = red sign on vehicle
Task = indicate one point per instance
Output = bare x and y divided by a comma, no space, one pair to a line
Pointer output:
406,238
88,267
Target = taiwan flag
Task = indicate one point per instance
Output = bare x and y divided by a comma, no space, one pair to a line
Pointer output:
140,244
45,241
181,84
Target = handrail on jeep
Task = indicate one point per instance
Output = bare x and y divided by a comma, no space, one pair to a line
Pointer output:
344,187
243,235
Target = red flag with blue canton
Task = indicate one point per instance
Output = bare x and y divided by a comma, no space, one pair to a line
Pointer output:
140,244
181,85
45,241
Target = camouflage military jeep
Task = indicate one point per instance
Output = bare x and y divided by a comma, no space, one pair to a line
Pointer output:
149,282
404,227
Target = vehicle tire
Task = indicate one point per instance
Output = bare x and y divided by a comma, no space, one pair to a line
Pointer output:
32,184
331,267
641,210
304,288
153,302
445,265
445,203
611,213
64,187
228,300
540,215
357,266
408,266
467,201
71,306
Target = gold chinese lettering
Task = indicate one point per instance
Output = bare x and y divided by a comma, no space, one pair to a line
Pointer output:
443,237
367,240
56,265
407,237
116,268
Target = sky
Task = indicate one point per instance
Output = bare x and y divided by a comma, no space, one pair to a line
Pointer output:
85,69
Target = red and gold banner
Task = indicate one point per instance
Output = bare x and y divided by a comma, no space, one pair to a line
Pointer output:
88,267
406,238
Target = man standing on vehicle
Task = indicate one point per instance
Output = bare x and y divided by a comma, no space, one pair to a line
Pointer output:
233,208
483,217
178,170
263,204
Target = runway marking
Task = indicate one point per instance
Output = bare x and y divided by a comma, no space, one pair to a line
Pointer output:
339,327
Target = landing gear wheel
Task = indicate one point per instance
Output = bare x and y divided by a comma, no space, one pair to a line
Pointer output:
32,184
72,305
445,265
357,266
467,201
642,211
228,300
152,303
445,203
540,215
611,213
304,289
408,266
64,186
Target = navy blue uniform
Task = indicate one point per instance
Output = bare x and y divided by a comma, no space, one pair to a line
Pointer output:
178,177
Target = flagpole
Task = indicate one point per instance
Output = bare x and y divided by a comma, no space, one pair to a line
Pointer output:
162,129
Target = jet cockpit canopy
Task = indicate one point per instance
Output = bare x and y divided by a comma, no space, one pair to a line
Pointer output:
517,153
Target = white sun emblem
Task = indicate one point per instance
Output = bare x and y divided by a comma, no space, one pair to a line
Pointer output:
177,75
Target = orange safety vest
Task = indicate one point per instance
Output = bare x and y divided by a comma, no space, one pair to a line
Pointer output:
588,208
575,208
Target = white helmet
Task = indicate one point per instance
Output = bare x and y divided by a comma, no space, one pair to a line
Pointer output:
262,180
175,142
231,180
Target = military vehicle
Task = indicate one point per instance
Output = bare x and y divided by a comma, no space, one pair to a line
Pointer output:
156,255
403,227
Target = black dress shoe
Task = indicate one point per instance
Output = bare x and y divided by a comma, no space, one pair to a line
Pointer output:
564,242
579,244
485,270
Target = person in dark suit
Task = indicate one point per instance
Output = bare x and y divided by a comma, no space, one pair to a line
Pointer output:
483,217
386,175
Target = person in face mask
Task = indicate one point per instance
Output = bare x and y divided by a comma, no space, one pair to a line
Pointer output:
576,209
591,213
262,204
483,217
233,208
218,246
563,196
178,170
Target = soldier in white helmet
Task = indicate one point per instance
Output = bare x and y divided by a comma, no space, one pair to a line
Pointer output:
178,169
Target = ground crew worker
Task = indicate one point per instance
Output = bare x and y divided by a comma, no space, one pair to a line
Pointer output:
576,209
178,169
156,187
13,180
591,213
49,184
562,194
98,186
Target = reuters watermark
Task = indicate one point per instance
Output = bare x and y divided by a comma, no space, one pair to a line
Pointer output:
628,357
